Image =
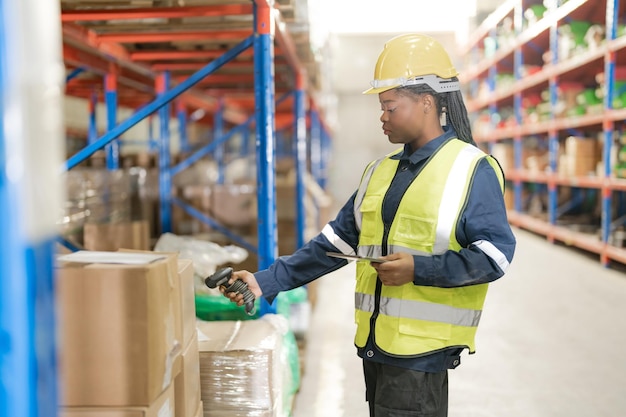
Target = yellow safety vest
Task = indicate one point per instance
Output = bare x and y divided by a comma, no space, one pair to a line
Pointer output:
411,319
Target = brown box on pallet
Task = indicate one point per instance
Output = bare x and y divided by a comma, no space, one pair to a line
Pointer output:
163,406
117,321
234,204
187,382
112,236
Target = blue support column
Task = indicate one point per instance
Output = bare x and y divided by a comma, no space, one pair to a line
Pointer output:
518,59
110,98
30,109
316,146
612,8
326,155
553,138
181,113
218,132
265,126
165,179
301,157
93,121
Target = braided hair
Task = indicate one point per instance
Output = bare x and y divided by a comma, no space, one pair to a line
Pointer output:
450,104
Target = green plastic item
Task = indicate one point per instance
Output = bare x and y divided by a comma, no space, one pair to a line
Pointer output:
292,386
218,308
579,29
284,300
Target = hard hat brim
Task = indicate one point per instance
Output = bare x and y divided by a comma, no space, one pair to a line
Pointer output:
378,90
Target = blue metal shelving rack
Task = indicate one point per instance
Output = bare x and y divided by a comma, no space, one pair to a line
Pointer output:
28,385
29,195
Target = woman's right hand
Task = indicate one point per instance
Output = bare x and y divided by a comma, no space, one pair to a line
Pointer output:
249,279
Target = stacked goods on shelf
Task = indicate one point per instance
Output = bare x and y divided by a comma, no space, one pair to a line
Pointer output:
127,336
556,123
105,209
620,167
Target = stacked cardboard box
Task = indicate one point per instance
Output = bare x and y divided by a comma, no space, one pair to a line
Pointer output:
113,236
580,157
127,335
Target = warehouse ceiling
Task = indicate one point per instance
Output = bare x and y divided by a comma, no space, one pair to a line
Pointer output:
140,39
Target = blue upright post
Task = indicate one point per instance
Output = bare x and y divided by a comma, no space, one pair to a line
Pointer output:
265,126
326,145
518,62
165,179
612,8
110,97
31,86
181,112
553,137
301,157
93,124
316,146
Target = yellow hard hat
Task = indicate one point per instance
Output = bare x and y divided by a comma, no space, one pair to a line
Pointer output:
413,59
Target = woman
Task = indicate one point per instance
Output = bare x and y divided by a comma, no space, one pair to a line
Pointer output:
433,212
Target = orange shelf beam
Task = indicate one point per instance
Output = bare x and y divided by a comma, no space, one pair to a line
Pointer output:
156,12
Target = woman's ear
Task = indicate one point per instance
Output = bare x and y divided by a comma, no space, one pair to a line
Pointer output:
429,102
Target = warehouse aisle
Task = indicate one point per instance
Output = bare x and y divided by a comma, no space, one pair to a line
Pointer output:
550,343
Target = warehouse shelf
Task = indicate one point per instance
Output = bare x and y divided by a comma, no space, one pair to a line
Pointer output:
545,83
143,44
219,66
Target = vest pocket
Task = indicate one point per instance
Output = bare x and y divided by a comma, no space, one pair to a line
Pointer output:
416,232
368,211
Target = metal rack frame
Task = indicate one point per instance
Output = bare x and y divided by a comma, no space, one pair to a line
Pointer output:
27,347
550,75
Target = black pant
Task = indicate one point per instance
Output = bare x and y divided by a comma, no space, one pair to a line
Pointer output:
399,392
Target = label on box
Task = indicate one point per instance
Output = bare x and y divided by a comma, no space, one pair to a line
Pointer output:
102,257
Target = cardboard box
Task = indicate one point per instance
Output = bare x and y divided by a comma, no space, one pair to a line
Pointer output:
113,236
199,411
187,382
187,301
234,204
183,295
240,368
117,324
163,406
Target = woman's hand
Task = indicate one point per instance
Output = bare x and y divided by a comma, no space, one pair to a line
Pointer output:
397,270
249,279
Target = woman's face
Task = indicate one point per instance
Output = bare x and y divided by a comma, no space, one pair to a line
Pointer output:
409,119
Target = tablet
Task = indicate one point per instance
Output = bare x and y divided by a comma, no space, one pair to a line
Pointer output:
354,257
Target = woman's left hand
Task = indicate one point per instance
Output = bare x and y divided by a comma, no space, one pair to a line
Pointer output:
396,270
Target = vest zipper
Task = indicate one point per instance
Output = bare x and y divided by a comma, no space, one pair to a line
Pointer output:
379,286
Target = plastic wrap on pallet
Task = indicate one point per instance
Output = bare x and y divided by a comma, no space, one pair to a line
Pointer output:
244,370
206,256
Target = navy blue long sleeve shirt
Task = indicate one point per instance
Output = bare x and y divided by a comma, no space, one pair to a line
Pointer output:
482,222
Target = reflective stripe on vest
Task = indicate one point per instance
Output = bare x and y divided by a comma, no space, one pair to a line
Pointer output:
419,310
413,320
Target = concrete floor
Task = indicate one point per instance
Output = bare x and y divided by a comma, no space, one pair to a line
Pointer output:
550,343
